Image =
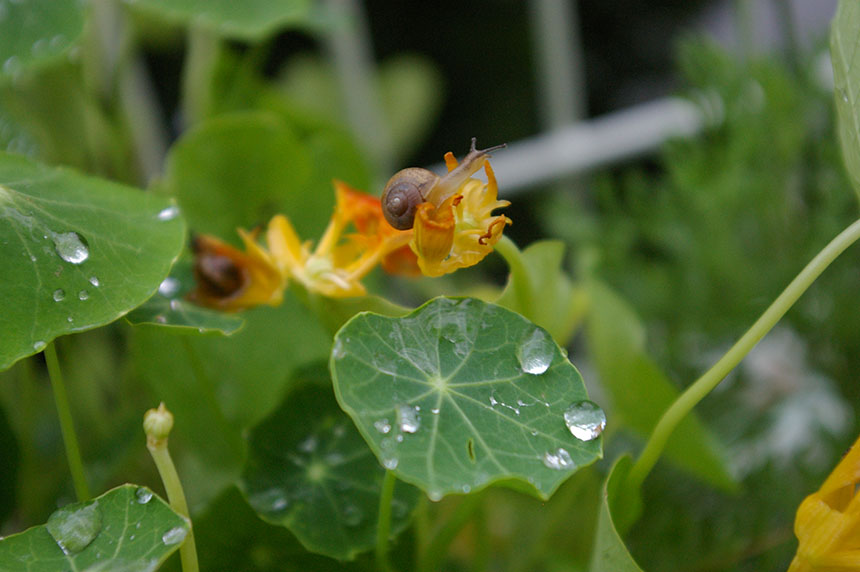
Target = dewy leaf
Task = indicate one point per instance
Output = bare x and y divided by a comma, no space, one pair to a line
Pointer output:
640,391
78,252
309,470
249,20
127,528
36,31
460,394
609,553
844,43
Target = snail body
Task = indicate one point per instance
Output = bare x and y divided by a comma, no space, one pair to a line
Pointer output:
410,187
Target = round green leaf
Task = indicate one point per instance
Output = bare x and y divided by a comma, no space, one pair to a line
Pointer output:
248,20
309,470
78,252
461,393
37,31
127,528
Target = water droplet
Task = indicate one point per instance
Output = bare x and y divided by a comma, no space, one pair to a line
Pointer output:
536,352
174,536
169,287
382,425
71,247
59,295
39,346
309,445
69,319
12,65
435,411
269,501
160,319
435,496
74,527
466,489
143,494
558,459
131,537
585,419
407,419
95,281
337,350
168,213
842,93
175,305
390,463
334,458
83,295
352,515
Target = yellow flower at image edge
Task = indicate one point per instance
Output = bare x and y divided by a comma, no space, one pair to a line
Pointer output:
827,524
462,230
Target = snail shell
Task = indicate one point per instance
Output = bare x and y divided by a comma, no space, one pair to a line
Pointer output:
403,193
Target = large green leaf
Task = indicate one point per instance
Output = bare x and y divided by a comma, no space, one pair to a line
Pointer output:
844,42
79,252
127,528
609,553
37,31
460,394
249,20
310,471
640,391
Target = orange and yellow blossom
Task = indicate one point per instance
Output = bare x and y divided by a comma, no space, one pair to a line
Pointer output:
827,524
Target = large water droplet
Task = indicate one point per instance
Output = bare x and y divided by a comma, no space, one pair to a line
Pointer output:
143,494
59,295
407,419
168,213
390,463
83,295
585,419
535,353
174,536
95,281
71,247
75,527
39,345
558,459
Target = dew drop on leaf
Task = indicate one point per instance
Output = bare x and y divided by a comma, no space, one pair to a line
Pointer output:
558,459
83,295
39,346
174,536
269,501
143,495
168,213
535,353
59,295
73,528
95,281
407,419
382,425
585,420
390,463
168,287
337,350
71,247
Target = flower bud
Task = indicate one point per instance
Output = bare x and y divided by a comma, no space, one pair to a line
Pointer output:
157,424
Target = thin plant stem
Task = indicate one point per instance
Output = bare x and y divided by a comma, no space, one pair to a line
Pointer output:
383,525
67,425
519,273
436,551
173,487
711,378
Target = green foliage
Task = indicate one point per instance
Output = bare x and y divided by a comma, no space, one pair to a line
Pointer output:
32,33
460,394
844,39
127,528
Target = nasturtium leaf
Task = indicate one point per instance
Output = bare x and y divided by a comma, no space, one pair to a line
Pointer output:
78,252
460,394
128,528
609,553
250,20
36,31
309,470
844,43
640,391
170,309
542,292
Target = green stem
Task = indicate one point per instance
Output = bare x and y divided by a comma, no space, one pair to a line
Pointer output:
67,425
519,274
436,551
201,58
383,526
176,497
711,378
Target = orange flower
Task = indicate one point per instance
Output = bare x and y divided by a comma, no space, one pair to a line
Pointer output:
827,524
461,230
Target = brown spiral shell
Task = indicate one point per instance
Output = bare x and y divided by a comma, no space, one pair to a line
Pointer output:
403,193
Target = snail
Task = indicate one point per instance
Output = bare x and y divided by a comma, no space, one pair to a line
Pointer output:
410,187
